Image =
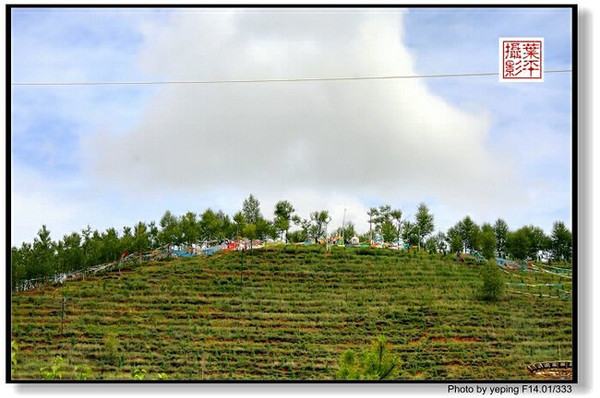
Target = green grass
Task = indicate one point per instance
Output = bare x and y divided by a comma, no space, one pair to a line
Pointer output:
289,313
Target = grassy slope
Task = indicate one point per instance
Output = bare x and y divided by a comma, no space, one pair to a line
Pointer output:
289,315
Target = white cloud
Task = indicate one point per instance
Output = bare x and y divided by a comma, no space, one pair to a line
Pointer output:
69,204
393,140
35,202
322,145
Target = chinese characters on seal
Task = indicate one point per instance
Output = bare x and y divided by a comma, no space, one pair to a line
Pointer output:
521,59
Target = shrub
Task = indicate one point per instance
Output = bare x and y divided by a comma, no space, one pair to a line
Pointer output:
111,348
493,282
380,363
377,364
53,372
348,368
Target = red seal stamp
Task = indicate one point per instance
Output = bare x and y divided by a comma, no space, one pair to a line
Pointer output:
521,59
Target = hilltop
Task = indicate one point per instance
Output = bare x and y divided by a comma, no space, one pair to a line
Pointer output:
288,313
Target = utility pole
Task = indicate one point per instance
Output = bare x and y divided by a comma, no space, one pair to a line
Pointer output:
343,226
326,237
62,313
242,269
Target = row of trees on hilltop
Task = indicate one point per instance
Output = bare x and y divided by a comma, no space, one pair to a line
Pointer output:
468,236
76,251
389,224
498,240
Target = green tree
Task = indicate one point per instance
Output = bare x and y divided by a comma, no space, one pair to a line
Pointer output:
86,235
487,241
424,222
388,231
380,215
251,210
111,250
111,352
190,228
384,223
252,215
319,220
518,243
297,236
436,243
126,241
240,222
169,229
349,368
283,217
501,233
92,245
210,225
380,363
410,234
493,282
153,235
430,245
525,242
265,229
141,242
43,252
250,233
70,253
396,215
561,244
94,248
376,364
454,239
469,233
227,229
23,264
17,267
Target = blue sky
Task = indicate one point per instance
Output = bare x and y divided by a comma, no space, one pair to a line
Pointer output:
531,123
114,155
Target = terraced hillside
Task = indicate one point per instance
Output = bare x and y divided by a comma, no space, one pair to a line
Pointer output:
286,313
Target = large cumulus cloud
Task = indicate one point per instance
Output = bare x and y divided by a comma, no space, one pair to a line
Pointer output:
392,140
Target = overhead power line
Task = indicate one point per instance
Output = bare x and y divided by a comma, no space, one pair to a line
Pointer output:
281,80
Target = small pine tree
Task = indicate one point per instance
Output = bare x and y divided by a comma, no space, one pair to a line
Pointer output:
377,364
111,348
348,368
380,363
493,282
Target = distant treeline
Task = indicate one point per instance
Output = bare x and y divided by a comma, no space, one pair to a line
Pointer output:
45,258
